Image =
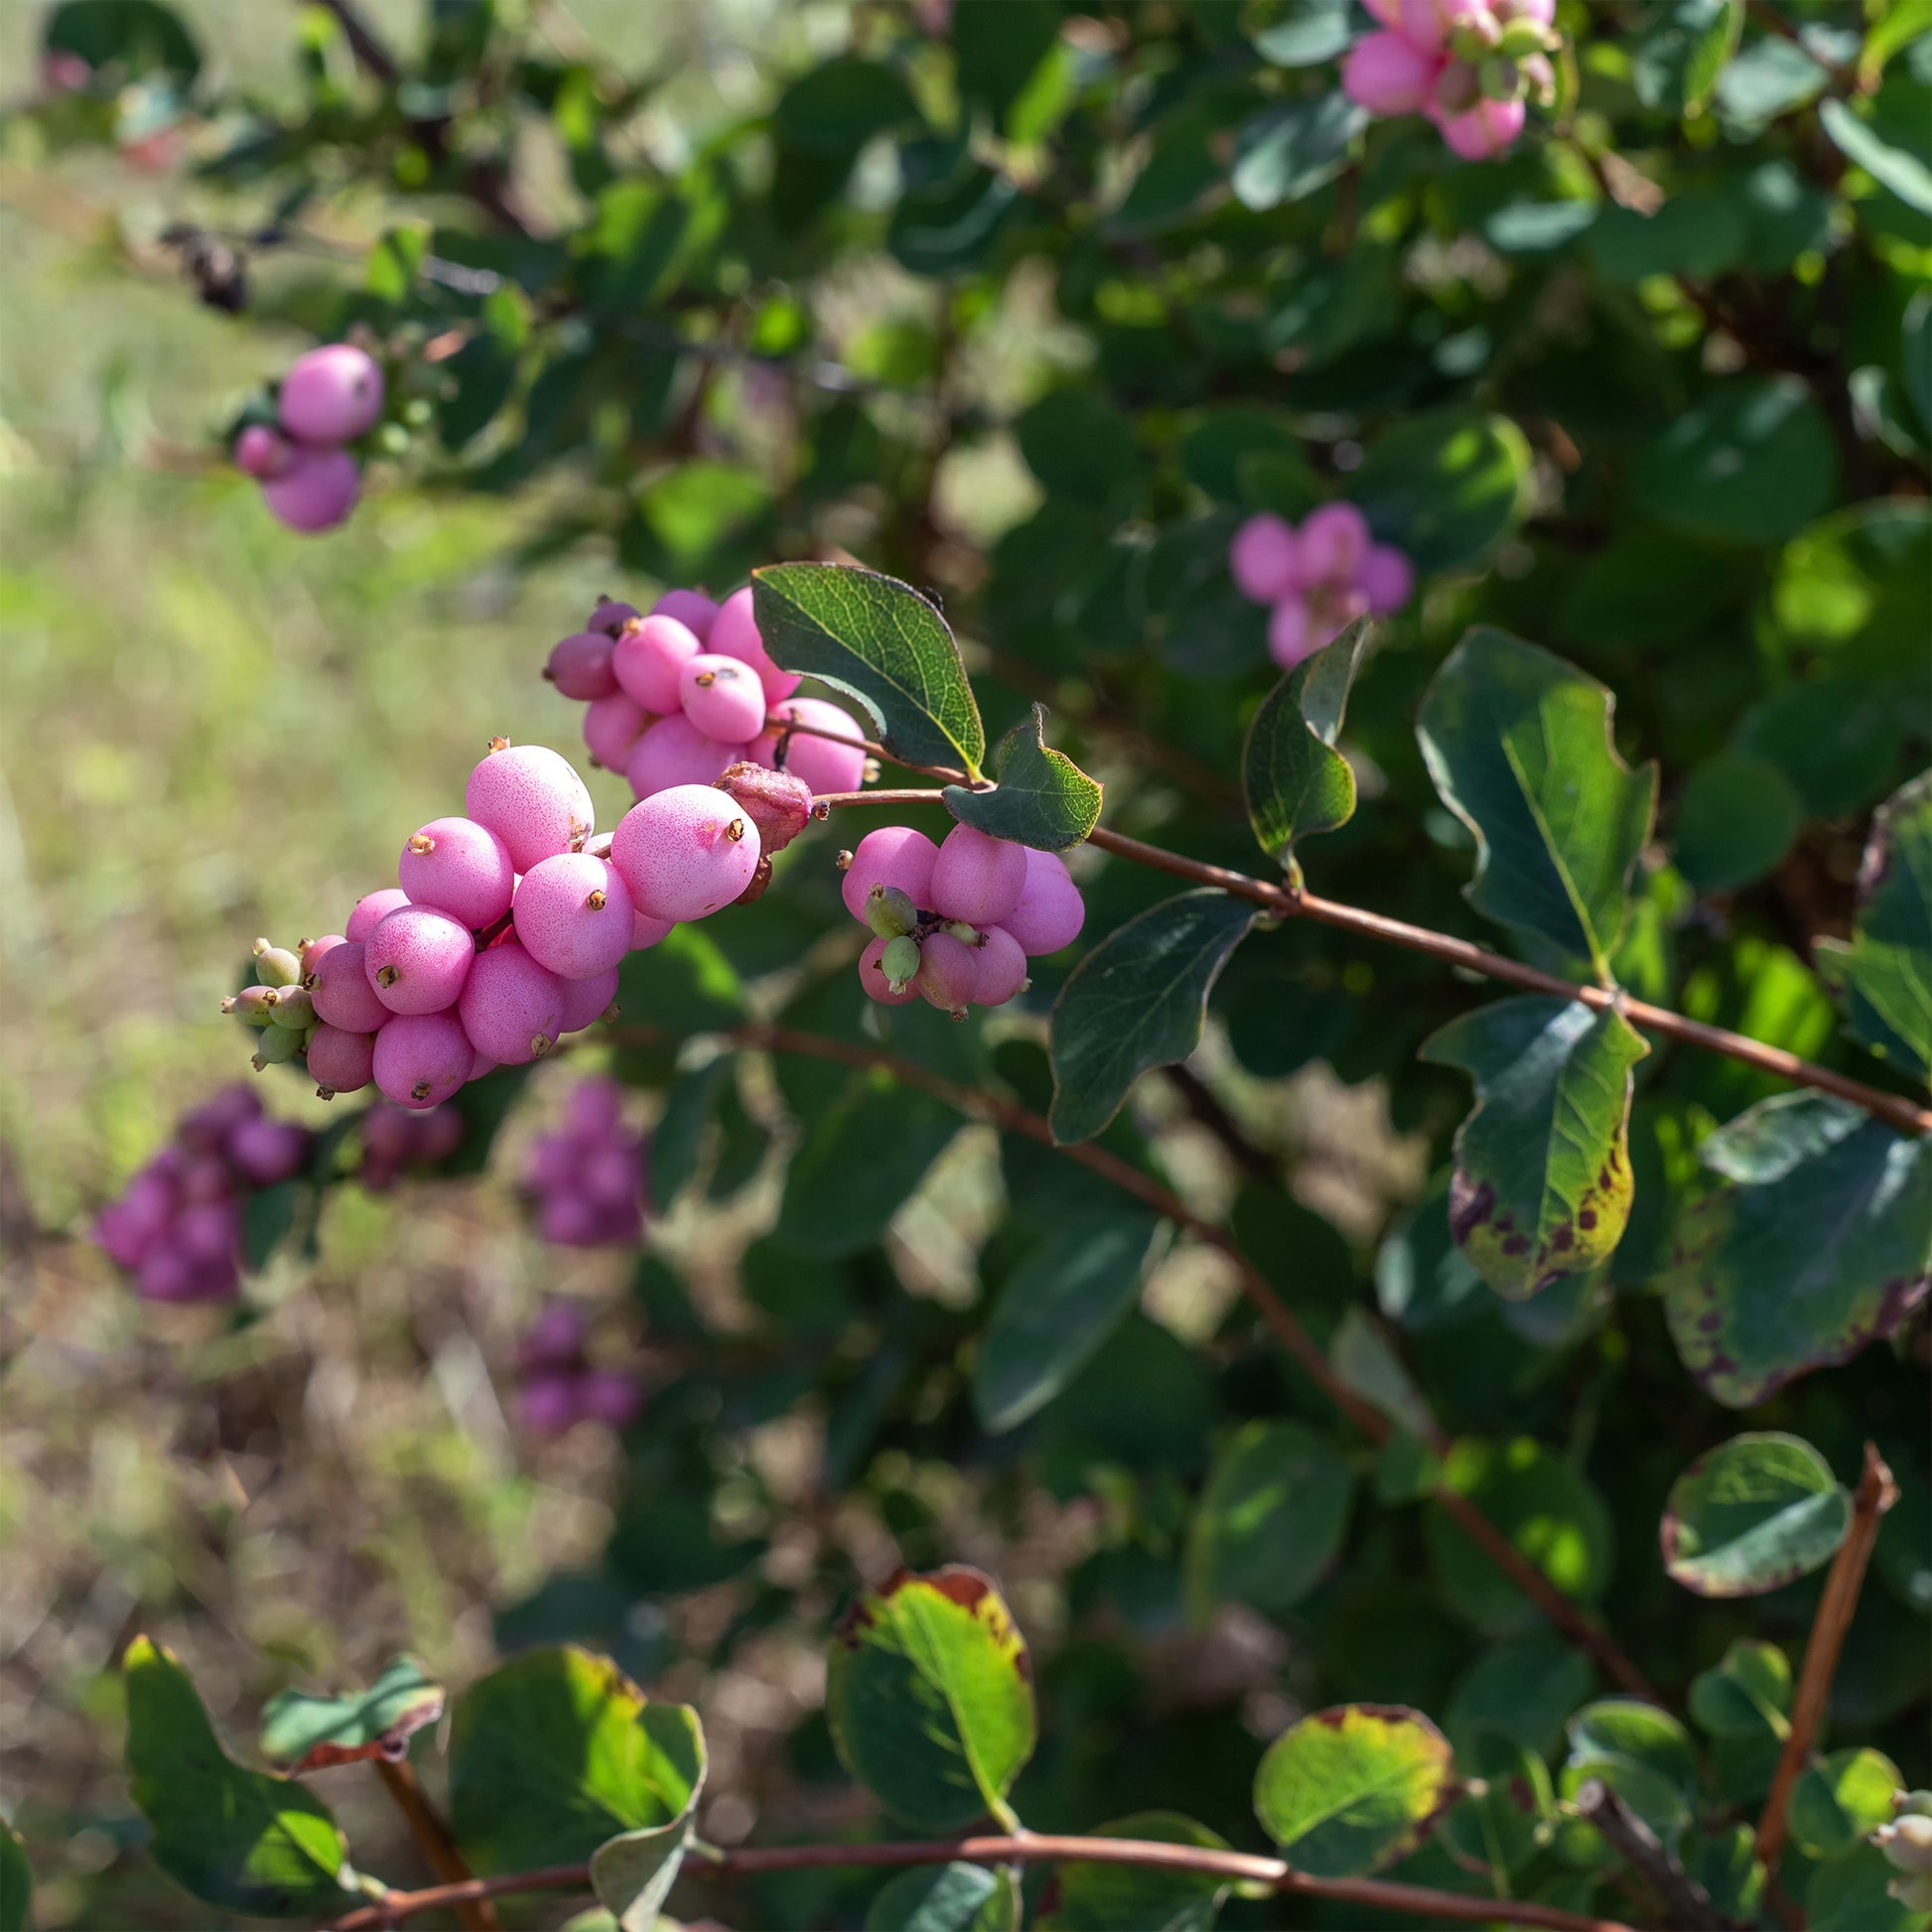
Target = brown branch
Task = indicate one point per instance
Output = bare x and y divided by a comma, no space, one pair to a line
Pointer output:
1025,1848
436,1842
372,55
1686,1902
1204,1104
1875,1494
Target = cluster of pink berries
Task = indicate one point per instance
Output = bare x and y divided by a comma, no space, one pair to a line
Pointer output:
177,1226
310,480
1468,65
560,1386
396,1141
589,1178
675,696
955,923
1317,580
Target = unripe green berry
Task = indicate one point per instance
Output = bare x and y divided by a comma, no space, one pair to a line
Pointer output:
1522,36
276,965
253,1003
890,912
392,440
278,1045
416,412
294,1009
901,961
967,935
1501,79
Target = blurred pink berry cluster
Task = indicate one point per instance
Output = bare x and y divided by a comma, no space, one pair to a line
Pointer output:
955,923
675,696
310,479
560,1385
589,1176
177,1226
1317,580
396,1141
1468,65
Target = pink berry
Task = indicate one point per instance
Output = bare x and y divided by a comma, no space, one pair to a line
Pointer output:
316,492
890,855
121,1236
167,1275
948,973
570,1221
458,867
573,915
313,950
646,932
1483,131
556,1339
722,697
206,1129
205,1179
532,800
330,395
1388,75
268,1151
1050,911
611,1397
340,1062
609,1175
262,453
421,1059
480,1064
1386,579
342,995
1290,630
871,977
1333,541
650,653
594,1110
734,633
836,763
511,1009
977,878
417,959
1261,558
674,752
1001,969
546,1404
692,609
209,1232
685,852
580,666
588,999
371,908
611,616
613,724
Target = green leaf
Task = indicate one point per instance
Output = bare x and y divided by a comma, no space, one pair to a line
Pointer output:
677,1141
1541,1187
1841,1800
1128,1899
632,1873
1295,780
1445,487
1353,1788
882,643
947,1897
1755,1514
307,1733
1526,1689
1898,169
1754,462
1747,1695
1081,447
1288,151
243,1839
557,1751
1675,62
1519,746
929,1693
16,1882
1815,1241
126,39
997,51
1735,820
837,107
859,1163
1835,740
1059,1303
1853,1894
1314,31
1642,1753
1422,1280
1508,1810
267,1217
1271,1521
1136,1001
1043,800
1882,980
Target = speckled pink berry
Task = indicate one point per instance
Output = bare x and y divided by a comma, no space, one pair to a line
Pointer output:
340,1062
722,697
650,653
1332,542
948,973
890,855
1001,968
331,394
263,453
1050,911
342,994
421,1059
311,952
826,765
1261,559
573,915
532,800
685,852
580,666
646,932
674,752
692,609
734,633
513,1008
874,980
371,908
1386,579
316,492
611,616
458,867
587,1001
977,878
417,959
613,726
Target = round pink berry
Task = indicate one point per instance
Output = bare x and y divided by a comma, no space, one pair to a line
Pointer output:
650,653
316,492
871,977
1001,968
312,951
480,1064
948,973
340,1062
685,852
513,1008
421,1059
570,1221
208,1231
613,724
734,633
555,1340
588,999
206,1129
1261,558
532,800
611,616
580,666
342,994
890,855
1387,581
594,1110
573,915
458,867
826,765
371,908
330,395
1333,541
692,609
265,1151
1482,132
646,932
1050,911
1388,75
546,1404
263,453
612,1397
977,878
417,959
722,697
1290,630
674,752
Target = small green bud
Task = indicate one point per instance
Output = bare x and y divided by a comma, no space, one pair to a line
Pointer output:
277,966
278,1045
253,1003
891,912
901,961
1523,37
1501,79
1471,38
967,935
294,1009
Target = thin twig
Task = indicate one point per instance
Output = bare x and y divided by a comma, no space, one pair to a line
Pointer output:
372,55
1686,1902
1875,1494
436,1842
1025,1847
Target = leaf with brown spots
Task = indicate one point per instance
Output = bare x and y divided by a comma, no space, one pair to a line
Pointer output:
307,1733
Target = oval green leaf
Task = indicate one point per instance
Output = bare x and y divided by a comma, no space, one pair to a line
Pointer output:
1747,1695
1271,1520
1756,1513
1125,1898
632,1873
1735,819
946,1898
16,1882
929,1693
1445,487
1642,1753
1043,798
1295,780
859,1163
1353,1788
1841,1800
306,1732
